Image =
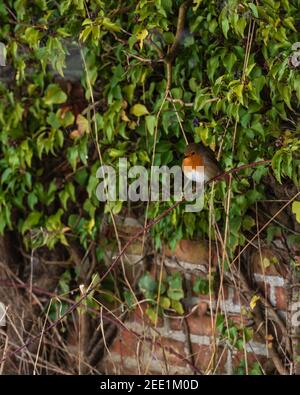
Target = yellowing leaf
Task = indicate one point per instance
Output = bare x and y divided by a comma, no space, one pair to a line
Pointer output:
139,110
132,125
54,95
90,225
141,37
66,229
64,110
296,210
196,4
253,302
82,124
266,263
124,116
74,134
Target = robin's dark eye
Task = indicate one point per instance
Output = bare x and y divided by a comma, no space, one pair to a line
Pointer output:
193,153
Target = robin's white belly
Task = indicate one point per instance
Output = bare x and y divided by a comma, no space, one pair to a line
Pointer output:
196,175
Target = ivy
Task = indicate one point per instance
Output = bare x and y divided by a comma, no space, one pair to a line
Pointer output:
81,76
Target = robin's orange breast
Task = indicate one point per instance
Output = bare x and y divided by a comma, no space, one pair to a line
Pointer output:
192,162
193,168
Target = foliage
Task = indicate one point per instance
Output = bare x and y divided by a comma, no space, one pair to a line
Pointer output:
254,370
232,84
254,95
236,336
165,295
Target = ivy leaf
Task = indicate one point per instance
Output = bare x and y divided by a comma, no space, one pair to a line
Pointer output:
111,26
139,110
150,123
225,26
175,291
164,302
152,314
276,165
253,9
129,299
82,124
177,306
254,301
201,286
147,284
229,61
141,37
32,200
31,221
286,95
296,210
20,7
54,95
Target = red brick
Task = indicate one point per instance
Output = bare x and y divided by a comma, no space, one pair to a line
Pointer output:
280,294
275,269
197,325
203,358
240,320
125,344
163,351
139,315
190,251
202,308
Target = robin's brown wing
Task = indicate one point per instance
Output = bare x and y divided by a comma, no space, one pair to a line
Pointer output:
209,154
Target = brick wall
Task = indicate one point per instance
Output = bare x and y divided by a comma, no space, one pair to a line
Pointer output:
190,345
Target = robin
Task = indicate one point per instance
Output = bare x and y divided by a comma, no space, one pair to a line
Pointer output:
199,163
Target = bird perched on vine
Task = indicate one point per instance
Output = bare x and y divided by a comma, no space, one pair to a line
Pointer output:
197,155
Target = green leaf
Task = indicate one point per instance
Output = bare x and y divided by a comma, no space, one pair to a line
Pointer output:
286,95
150,123
129,299
111,26
32,200
225,26
229,61
147,284
276,165
152,314
139,110
32,36
201,286
164,302
54,95
53,222
177,306
253,9
248,223
175,291
31,221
